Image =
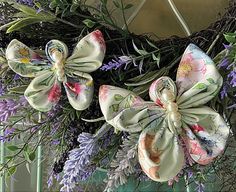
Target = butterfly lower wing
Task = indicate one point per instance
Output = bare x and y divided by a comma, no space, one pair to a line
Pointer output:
44,91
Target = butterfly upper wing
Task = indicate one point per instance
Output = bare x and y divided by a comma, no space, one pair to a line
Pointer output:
198,80
23,60
44,91
88,53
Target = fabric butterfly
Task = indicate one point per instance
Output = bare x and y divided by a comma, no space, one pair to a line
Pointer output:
57,68
176,115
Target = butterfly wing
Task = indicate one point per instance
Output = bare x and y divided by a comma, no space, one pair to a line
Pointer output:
24,61
44,91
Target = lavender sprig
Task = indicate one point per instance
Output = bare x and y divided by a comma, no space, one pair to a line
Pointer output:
10,107
30,3
116,63
79,165
124,164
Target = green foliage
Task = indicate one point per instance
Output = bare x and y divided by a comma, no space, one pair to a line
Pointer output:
230,37
27,16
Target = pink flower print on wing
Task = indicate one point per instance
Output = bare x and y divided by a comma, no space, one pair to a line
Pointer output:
185,67
99,38
103,92
137,102
74,87
198,153
197,128
54,93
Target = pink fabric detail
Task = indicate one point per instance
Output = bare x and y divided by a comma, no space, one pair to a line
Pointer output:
74,87
54,93
196,128
99,38
103,92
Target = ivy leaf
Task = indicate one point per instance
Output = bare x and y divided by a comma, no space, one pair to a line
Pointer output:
118,97
12,148
230,37
89,23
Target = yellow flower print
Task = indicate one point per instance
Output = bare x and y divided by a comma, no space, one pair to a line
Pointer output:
25,60
23,52
184,69
89,83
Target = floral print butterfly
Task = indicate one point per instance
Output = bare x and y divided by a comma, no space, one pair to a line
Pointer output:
57,68
175,116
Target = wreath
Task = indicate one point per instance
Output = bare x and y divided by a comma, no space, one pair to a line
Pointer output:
111,110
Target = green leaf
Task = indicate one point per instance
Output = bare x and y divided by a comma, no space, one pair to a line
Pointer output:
73,7
11,170
115,107
117,4
118,97
128,6
20,89
3,27
32,156
141,52
28,167
230,37
200,86
25,9
157,59
23,23
151,44
89,23
146,78
12,148
9,157
211,81
26,155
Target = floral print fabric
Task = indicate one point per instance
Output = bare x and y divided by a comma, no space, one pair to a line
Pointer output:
57,68
175,115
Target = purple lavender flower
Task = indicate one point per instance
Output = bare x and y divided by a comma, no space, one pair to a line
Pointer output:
228,47
52,176
224,62
232,75
2,89
8,133
116,63
26,2
78,167
224,91
16,77
10,107
200,186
